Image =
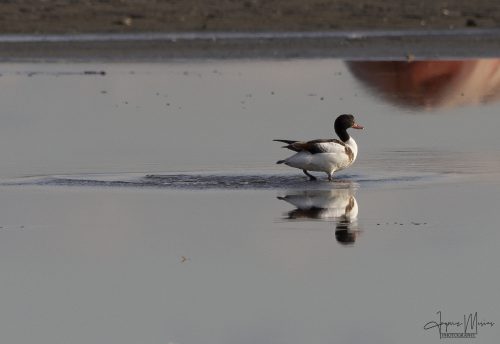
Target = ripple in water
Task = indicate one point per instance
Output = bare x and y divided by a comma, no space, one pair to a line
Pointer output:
203,181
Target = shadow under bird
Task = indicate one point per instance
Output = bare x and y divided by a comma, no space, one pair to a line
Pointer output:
325,155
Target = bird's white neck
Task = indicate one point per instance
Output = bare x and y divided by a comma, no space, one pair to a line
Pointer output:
353,145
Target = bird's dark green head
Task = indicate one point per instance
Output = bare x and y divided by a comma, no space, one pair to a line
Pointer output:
344,122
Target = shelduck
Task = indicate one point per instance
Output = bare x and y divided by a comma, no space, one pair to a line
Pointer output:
325,155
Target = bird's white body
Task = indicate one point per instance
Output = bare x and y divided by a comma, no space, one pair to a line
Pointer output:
335,158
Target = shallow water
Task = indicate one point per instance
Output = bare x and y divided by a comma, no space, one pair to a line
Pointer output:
143,204
218,181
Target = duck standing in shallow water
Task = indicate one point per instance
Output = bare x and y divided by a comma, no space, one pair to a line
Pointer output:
325,155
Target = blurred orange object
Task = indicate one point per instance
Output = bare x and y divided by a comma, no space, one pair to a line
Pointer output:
431,84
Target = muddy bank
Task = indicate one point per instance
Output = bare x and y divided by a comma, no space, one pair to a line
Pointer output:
349,45
65,16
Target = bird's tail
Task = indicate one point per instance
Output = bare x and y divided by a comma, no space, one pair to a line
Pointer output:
288,142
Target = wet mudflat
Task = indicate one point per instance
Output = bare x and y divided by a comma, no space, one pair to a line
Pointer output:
144,204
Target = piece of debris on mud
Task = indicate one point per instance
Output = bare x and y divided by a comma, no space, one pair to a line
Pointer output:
125,21
470,23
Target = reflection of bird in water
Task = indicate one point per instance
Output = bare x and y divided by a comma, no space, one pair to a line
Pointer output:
322,204
325,155
338,205
344,234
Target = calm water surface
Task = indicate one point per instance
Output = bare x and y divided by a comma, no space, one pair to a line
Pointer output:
143,205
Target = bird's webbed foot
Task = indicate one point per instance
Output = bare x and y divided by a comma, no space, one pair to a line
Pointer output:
311,177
